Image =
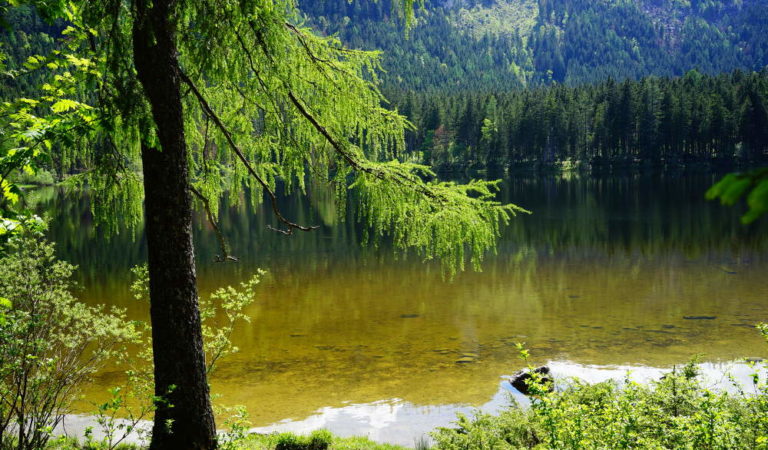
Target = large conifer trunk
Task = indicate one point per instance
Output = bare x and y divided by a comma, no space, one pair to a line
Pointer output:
185,421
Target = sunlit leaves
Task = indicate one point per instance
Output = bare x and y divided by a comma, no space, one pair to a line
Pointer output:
64,105
300,105
445,221
31,127
9,191
5,305
50,344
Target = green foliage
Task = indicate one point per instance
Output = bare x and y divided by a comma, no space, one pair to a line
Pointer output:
35,121
5,305
42,177
473,45
677,411
503,18
270,103
752,185
71,443
220,312
432,221
438,52
318,439
510,429
50,344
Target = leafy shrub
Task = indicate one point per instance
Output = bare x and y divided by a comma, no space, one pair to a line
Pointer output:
50,344
133,403
677,411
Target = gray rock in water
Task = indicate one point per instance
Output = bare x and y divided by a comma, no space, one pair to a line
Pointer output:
520,380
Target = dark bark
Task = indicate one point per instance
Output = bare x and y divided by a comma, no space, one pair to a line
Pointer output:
179,358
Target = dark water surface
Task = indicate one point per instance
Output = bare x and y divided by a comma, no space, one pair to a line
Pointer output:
608,271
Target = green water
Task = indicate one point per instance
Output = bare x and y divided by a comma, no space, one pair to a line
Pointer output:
603,273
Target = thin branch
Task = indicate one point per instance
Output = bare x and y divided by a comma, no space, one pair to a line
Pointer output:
304,44
217,121
398,178
224,256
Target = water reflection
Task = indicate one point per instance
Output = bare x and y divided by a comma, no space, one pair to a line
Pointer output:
604,272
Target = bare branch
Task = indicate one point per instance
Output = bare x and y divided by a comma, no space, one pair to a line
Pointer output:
287,232
224,256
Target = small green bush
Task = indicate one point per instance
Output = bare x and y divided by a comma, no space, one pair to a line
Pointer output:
318,440
677,411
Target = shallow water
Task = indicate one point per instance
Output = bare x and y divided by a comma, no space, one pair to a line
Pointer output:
608,271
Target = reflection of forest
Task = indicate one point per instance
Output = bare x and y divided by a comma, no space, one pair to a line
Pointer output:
574,217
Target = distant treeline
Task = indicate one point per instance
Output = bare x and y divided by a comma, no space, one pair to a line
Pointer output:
655,121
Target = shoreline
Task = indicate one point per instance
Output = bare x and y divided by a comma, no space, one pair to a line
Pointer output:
398,422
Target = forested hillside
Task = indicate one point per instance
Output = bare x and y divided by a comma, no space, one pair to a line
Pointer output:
655,121
23,34
471,44
507,44
505,83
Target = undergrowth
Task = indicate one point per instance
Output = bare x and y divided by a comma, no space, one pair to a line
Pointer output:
677,411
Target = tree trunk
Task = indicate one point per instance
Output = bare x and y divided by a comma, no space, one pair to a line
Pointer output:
183,419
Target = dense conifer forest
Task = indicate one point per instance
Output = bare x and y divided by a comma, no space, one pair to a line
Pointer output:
651,122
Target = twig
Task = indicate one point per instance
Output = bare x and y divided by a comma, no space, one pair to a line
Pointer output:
225,256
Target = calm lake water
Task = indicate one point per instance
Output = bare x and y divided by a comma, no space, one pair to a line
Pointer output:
601,277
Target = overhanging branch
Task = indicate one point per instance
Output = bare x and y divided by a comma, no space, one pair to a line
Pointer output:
416,185
241,156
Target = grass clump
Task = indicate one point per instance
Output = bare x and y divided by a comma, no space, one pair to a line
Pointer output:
318,440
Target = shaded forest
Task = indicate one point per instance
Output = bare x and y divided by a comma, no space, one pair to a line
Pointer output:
655,121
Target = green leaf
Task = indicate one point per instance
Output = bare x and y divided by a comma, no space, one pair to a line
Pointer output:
64,105
735,186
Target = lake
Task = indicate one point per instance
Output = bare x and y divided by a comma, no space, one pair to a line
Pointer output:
608,273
